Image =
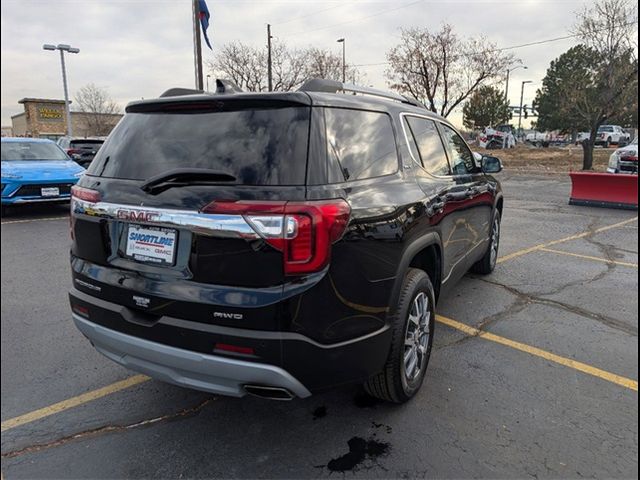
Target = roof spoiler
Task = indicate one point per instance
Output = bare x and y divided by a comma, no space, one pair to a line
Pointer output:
222,86
332,86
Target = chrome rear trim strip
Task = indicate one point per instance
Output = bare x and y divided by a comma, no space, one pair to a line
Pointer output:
226,226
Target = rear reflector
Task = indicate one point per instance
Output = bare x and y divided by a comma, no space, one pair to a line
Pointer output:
225,347
80,310
302,231
85,194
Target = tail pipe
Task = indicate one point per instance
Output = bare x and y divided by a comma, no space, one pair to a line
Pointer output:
270,393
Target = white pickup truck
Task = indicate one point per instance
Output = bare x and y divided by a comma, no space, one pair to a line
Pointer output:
612,134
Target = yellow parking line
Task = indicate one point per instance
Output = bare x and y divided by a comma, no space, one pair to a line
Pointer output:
35,220
73,402
471,331
536,248
537,352
588,257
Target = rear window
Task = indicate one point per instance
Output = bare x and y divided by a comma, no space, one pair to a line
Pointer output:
86,143
360,145
32,151
605,129
258,147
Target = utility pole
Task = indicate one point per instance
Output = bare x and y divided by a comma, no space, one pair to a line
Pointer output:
197,46
521,99
344,66
269,60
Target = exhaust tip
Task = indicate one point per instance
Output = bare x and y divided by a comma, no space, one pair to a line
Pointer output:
270,393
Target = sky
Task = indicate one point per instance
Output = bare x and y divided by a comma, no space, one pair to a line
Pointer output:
139,48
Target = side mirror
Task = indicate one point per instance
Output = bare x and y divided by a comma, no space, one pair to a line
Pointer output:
491,164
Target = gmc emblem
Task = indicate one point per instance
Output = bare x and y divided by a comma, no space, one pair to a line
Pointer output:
136,215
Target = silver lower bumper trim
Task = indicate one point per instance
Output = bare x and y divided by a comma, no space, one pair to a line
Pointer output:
209,373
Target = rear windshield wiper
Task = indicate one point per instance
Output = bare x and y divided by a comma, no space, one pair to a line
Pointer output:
181,177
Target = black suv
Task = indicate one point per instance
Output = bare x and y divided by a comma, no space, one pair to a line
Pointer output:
278,244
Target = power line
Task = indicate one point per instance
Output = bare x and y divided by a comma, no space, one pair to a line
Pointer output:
513,47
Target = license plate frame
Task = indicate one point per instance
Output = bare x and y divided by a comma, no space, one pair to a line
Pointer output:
150,244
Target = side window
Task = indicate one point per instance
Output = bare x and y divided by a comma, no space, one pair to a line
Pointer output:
461,158
359,145
432,153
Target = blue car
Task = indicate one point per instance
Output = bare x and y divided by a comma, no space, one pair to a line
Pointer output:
36,171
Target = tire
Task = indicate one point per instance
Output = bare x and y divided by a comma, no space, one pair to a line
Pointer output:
607,144
487,263
398,382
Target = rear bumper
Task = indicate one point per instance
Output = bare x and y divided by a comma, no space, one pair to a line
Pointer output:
209,373
184,352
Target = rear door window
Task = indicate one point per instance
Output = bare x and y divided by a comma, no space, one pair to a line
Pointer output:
460,157
257,146
432,153
360,145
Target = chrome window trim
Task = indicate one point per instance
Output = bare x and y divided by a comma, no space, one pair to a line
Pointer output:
211,225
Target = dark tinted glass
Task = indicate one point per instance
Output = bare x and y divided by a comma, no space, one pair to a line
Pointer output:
257,147
360,145
32,151
460,156
432,153
88,144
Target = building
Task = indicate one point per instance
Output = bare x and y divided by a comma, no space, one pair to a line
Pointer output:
46,118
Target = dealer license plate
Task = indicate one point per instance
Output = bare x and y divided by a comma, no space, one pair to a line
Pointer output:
154,245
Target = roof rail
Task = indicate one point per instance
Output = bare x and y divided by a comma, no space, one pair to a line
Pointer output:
332,86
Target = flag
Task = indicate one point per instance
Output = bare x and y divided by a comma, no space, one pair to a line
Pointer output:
204,20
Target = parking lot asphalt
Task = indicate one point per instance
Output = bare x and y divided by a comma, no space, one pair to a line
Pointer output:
534,373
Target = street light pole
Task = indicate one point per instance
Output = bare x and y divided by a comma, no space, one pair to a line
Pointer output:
344,65
521,100
69,49
506,88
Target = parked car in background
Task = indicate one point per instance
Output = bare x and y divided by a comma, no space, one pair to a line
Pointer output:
582,136
81,150
278,244
625,159
36,171
612,135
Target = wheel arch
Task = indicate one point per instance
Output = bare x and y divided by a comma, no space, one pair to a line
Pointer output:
425,254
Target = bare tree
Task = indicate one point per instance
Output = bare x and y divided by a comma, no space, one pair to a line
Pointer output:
609,29
247,66
442,69
97,105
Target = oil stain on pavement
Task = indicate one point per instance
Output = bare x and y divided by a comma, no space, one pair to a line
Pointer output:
359,451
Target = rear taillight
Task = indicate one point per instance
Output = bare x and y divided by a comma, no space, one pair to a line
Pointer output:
80,193
85,194
73,151
302,231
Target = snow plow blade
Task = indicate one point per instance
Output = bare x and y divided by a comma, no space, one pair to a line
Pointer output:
607,190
